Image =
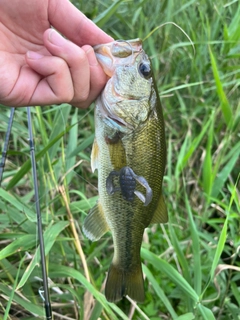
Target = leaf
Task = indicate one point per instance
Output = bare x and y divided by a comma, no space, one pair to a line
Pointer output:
205,312
50,236
159,291
225,106
218,252
186,316
207,164
17,204
195,143
71,147
59,124
13,290
27,165
26,304
166,268
180,254
23,243
62,271
225,172
197,270
187,150
107,14
86,143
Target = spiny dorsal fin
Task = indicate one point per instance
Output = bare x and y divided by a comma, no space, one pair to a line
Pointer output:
95,224
160,215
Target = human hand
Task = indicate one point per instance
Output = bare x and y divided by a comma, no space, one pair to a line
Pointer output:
37,65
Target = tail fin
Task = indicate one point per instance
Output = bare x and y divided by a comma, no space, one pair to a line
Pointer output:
122,282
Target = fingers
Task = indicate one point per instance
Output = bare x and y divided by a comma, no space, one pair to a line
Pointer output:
51,83
72,74
75,58
75,25
97,76
87,75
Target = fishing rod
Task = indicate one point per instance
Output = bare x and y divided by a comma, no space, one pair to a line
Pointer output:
46,299
45,292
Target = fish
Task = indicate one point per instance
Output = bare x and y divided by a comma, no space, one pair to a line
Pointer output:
129,152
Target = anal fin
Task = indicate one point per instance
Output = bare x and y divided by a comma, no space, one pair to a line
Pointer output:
160,215
95,224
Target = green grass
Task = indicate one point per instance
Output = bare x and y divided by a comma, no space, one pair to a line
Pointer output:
191,264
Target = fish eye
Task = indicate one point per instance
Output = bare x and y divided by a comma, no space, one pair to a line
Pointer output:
145,70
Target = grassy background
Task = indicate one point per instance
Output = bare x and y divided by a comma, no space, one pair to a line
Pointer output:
191,264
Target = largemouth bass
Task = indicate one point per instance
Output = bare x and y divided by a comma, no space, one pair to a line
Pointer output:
129,152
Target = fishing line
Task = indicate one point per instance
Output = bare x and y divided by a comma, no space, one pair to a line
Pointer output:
82,160
176,25
45,291
6,143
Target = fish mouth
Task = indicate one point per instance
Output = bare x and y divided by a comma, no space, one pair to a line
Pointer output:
118,52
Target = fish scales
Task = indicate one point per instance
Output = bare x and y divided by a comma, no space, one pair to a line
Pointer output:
129,133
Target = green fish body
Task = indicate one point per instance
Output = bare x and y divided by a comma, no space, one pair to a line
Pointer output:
129,148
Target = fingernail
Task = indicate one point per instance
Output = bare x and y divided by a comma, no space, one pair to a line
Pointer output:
34,55
91,57
56,38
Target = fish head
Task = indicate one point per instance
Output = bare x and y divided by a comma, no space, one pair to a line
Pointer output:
126,100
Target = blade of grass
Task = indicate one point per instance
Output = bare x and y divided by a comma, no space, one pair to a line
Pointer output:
13,290
224,173
159,291
166,268
22,243
187,316
194,144
71,146
63,271
86,143
221,241
50,235
207,164
205,312
102,18
225,106
26,304
59,123
180,254
197,270
17,204
26,167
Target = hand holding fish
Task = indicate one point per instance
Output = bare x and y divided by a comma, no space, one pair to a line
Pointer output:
37,65
129,152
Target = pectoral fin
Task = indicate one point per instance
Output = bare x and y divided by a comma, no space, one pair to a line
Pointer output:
95,224
160,215
94,156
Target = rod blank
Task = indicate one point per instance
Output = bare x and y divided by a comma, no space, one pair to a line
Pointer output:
47,303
